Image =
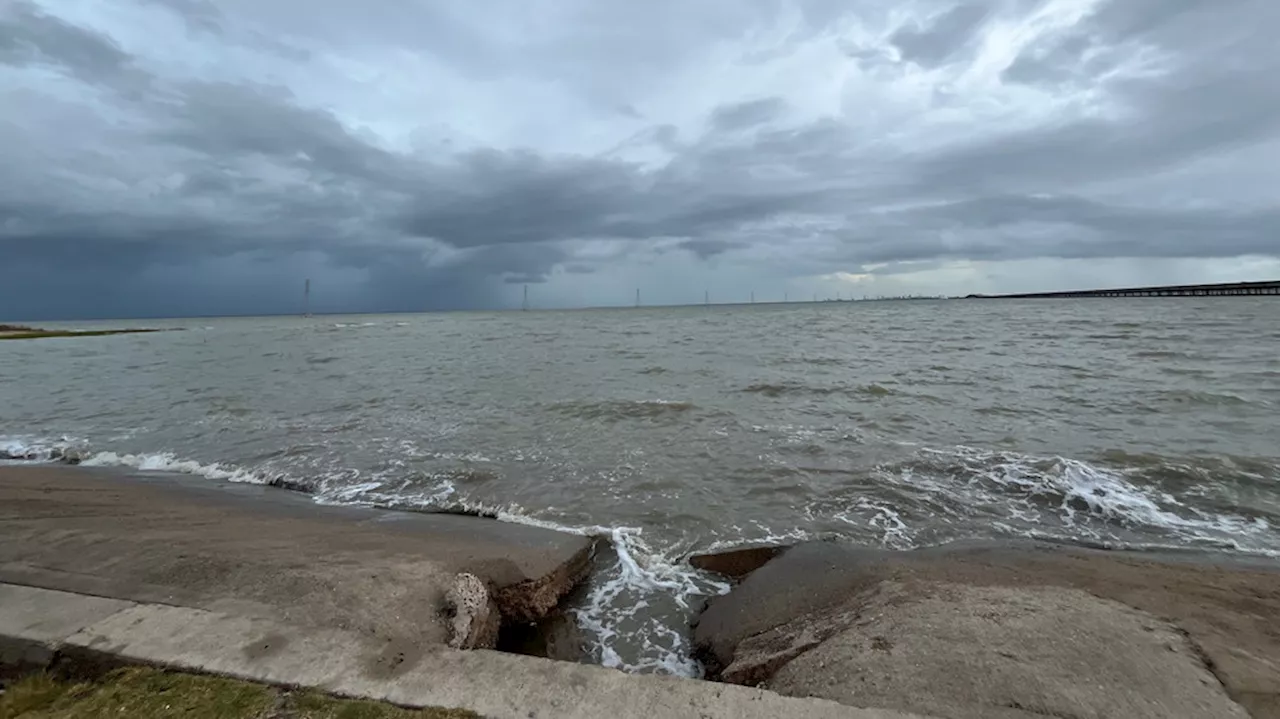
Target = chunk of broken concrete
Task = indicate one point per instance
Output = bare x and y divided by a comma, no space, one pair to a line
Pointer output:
736,563
475,617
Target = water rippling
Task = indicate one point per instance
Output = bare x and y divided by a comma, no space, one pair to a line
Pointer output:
671,431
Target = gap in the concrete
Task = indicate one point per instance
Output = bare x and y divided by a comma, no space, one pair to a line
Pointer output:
555,637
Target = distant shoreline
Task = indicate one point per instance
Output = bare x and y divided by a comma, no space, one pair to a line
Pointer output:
23,332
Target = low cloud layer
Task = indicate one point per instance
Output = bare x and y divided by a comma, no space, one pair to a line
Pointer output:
173,157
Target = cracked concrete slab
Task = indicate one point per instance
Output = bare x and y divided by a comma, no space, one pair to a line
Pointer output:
261,551
1214,613
965,652
493,684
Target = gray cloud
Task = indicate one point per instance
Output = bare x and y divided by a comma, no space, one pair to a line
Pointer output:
710,247
1205,103
30,36
747,114
944,36
431,157
199,15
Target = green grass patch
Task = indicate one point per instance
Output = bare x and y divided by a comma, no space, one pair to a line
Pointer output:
313,705
148,693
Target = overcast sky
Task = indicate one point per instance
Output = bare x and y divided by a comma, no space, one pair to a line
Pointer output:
175,157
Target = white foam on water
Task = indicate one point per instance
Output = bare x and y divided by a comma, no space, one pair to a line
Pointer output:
894,532
1086,499
377,493
758,535
30,448
348,494
168,462
641,578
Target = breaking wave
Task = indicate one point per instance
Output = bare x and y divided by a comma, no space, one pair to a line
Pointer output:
168,462
26,448
72,451
1069,498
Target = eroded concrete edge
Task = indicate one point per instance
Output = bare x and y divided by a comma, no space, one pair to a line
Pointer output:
348,664
534,599
477,622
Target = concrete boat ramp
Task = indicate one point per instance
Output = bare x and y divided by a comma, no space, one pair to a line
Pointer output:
101,568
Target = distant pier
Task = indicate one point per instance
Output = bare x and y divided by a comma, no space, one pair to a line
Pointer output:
1233,289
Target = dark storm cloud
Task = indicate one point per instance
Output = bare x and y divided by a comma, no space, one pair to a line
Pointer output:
163,178
224,120
494,197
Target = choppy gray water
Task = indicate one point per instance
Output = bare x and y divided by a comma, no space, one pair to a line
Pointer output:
1134,422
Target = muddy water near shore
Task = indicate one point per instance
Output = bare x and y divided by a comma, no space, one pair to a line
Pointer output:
1139,423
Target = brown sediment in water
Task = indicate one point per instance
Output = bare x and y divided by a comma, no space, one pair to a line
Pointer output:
1011,630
